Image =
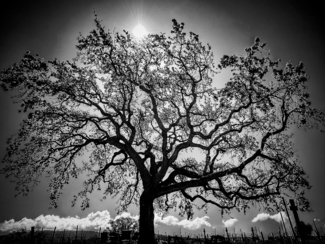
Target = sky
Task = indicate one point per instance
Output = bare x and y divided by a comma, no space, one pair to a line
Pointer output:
293,31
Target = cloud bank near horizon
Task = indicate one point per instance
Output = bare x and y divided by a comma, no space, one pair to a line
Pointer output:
266,216
49,222
229,223
193,224
94,221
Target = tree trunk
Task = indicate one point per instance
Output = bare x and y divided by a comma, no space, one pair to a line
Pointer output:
146,225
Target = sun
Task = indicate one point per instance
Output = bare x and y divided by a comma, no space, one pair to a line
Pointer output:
139,31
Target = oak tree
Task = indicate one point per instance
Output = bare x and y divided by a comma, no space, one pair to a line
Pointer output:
154,126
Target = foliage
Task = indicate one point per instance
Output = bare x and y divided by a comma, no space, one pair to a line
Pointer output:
151,119
124,223
306,229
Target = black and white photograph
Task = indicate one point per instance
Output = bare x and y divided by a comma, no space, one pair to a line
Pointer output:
160,121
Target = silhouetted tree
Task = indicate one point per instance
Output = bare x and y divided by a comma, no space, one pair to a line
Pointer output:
124,223
306,229
160,131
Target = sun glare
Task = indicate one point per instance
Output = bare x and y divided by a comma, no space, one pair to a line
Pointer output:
139,31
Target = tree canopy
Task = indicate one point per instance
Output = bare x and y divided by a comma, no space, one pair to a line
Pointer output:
124,223
306,229
156,126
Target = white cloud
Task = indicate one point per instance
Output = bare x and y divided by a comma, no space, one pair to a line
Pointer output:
126,215
277,217
193,224
93,220
266,216
196,223
261,217
229,223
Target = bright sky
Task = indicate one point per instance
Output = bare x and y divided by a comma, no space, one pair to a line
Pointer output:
139,31
292,30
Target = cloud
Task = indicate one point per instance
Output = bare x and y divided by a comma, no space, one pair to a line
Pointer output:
193,224
196,223
126,215
266,216
229,223
92,221
277,217
168,220
261,217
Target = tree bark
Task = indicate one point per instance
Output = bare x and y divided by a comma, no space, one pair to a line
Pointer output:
146,225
